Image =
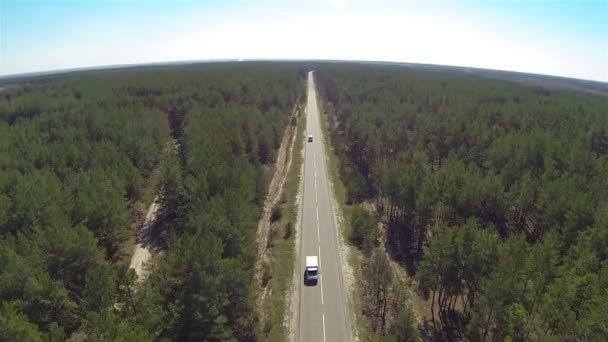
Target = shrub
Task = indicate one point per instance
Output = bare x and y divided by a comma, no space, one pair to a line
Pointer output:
363,232
276,214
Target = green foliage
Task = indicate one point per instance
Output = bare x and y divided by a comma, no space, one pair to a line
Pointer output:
14,326
405,327
76,152
378,289
212,197
454,263
363,228
194,293
106,326
491,192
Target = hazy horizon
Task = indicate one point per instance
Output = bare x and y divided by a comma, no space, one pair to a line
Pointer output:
8,77
568,39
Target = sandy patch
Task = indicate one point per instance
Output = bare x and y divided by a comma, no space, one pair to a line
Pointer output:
142,254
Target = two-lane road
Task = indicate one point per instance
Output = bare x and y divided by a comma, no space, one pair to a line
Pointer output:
323,314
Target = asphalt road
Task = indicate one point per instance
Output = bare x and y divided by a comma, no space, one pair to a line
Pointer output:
322,308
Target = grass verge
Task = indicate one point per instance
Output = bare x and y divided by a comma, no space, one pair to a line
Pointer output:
282,251
360,323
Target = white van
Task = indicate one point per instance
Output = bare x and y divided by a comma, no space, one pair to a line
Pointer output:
311,274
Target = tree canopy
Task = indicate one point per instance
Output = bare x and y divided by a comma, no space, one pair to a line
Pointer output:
76,152
492,193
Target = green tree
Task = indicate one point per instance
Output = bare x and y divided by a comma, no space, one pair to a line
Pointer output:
379,278
14,326
363,228
405,328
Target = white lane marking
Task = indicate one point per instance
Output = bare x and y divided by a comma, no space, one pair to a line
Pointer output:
317,214
321,292
323,315
318,235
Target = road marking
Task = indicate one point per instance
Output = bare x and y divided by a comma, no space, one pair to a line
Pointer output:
313,126
323,315
321,284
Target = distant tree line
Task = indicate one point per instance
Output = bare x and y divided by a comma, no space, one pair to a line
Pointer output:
493,195
75,154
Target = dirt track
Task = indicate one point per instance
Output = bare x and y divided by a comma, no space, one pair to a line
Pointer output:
283,162
142,249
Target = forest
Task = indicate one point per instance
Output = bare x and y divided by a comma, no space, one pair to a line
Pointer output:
76,155
491,195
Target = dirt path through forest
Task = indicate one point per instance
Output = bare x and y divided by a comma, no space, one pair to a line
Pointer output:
283,162
142,252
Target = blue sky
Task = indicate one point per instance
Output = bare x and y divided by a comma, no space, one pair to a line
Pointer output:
564,38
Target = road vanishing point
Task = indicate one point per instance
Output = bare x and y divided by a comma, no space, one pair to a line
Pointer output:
322,309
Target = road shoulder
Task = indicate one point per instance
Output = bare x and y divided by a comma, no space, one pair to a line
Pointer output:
350,257
277,234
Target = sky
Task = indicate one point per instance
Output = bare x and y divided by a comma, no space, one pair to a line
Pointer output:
559,37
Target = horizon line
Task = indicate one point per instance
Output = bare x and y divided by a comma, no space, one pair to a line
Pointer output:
52,72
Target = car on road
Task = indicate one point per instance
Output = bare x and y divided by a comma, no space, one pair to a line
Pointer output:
311,274
310,138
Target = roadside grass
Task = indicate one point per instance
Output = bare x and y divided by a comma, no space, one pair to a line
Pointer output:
282,251
360,322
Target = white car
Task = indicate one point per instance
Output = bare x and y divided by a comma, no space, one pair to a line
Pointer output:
310,138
